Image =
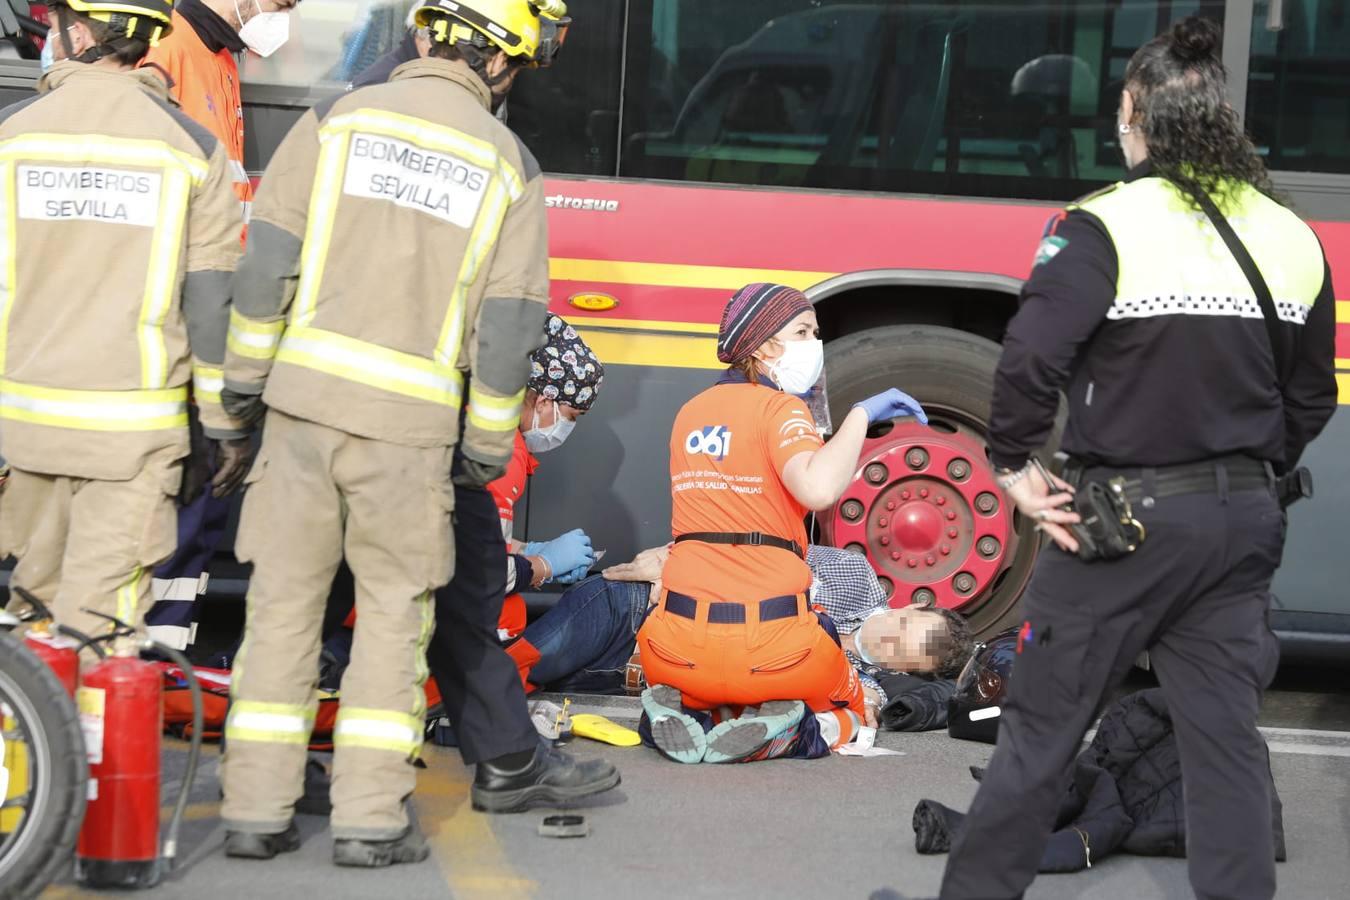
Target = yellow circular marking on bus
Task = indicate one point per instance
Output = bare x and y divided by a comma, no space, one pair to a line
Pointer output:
593,302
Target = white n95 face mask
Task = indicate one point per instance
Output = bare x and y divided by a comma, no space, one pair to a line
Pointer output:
799,368
541,440
266,32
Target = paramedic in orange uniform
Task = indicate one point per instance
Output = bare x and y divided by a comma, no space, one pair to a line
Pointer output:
733,627
198,57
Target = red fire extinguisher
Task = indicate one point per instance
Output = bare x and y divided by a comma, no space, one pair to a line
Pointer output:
121,713
121,710
58,647
60,653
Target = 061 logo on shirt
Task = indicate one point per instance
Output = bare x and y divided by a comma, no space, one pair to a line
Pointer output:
712,440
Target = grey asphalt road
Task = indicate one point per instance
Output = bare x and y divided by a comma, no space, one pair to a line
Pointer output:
836,828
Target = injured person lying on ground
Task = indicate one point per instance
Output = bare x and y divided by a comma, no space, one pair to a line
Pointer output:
585,643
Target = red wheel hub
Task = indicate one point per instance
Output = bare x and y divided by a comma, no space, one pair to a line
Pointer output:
925,509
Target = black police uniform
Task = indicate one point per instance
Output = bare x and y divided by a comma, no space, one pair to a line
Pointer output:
1187,407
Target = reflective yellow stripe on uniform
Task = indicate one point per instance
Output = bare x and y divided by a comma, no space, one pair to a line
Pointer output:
207,382
161,278
378,729
129,597
271,723
420,667
495,413
319,226
371,364
484,235
256,340
94,410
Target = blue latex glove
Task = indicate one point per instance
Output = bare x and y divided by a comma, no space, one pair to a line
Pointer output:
891,404
573,576
564,554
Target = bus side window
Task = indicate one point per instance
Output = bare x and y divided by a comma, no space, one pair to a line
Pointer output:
1298,105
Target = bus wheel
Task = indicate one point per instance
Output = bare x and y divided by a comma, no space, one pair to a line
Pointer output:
925,508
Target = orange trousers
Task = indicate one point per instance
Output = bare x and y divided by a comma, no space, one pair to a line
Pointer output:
747,663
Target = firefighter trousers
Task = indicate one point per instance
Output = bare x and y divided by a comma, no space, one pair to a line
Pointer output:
91,544
314,495
1195,594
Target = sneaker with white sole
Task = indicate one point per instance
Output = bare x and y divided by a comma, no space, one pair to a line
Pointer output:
763,734
678,736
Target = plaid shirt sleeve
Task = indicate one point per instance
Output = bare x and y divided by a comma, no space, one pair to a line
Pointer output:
848,590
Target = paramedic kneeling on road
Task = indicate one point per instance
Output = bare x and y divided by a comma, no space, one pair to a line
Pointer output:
733,626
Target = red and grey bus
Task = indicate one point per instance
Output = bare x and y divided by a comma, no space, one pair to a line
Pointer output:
897,161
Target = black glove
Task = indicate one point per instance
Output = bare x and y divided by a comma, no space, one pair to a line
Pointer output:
248,408
197,465
233,458
470,473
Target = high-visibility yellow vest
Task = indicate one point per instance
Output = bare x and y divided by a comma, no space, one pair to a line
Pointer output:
1173,261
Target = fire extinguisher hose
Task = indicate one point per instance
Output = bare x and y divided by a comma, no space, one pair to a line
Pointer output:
194,752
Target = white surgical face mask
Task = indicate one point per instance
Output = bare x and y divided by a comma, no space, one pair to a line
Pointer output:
266,32
48,57
541,440
799,368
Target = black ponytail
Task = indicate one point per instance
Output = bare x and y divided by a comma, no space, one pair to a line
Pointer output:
1195,139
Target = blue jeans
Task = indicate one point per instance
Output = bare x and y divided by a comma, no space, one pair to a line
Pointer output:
585,641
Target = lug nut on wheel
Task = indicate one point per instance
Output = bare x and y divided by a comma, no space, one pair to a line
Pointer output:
916,458
959,469
852,510
988,547
986,503
876,473
964,583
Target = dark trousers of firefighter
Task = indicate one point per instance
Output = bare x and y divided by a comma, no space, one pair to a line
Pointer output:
1196,595
480,685
314,495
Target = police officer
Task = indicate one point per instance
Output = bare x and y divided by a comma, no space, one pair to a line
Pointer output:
124,232
398,249
1140,312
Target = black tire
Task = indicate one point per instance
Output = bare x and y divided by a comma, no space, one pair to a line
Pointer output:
952,374
41,850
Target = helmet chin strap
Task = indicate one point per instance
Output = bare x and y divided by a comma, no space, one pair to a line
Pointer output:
64,24
92,54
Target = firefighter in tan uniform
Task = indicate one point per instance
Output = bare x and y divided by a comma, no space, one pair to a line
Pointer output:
394,284
122,233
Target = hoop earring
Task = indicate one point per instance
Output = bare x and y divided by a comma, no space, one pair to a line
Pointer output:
1123,128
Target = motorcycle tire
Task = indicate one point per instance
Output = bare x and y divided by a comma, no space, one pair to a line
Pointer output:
42,848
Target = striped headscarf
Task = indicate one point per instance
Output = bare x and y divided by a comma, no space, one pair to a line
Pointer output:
754,314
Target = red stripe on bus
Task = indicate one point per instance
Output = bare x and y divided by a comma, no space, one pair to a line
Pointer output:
789,230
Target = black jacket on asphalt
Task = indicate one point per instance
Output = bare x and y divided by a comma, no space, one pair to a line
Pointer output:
1126,795
1157,391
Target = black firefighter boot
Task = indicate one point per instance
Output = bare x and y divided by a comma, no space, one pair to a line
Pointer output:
255,845
551,778
409,847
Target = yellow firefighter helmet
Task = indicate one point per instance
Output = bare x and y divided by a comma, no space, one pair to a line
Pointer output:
148,19
530,31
